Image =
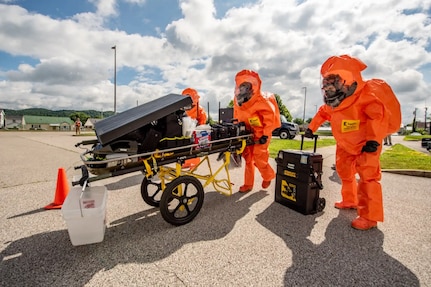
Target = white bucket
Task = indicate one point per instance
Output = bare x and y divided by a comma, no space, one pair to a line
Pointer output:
189,126
85,214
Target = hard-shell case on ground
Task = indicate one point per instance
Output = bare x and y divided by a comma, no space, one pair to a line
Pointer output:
299,180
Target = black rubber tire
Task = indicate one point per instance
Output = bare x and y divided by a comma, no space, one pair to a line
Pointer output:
151,192
283,134
182,200
321,203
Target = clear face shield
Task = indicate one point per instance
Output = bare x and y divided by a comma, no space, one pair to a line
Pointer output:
245,92
335,90
188,107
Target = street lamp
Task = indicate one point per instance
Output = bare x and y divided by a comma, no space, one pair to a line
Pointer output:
305,100
115,78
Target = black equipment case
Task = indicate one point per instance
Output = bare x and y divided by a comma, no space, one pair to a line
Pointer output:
136,122
299,180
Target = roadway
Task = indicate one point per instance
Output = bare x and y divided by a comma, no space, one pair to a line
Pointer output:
240,240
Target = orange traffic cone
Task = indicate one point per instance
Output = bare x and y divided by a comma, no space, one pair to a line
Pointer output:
61,191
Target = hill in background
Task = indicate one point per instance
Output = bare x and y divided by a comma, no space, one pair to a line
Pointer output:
59,113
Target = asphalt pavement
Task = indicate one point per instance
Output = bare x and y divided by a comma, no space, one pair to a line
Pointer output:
238,240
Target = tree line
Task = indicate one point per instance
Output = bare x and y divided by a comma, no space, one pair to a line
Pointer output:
72,114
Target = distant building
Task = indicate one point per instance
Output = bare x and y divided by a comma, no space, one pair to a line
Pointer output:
13,122
2,119
89,124
421,125
47,123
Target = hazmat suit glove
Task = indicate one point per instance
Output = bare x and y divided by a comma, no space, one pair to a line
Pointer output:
263,139
308,133
370,146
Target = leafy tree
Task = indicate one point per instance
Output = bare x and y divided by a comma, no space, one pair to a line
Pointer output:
59,113
298,121
81,115
283,109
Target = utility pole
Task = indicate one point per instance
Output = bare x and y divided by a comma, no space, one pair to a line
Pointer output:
115,78
305,101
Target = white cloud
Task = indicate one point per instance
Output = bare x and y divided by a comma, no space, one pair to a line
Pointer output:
284,41
105,8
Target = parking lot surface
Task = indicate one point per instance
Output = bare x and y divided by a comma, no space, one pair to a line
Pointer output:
239,240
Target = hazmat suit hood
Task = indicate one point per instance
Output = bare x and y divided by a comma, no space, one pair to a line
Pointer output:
341,79
347,67
193,94
247,76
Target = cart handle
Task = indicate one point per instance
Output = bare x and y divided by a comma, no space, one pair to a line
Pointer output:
83,181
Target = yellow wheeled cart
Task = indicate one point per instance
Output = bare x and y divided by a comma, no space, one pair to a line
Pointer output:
154,139
179,193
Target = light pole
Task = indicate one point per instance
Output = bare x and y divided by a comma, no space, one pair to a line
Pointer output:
305,101
115,78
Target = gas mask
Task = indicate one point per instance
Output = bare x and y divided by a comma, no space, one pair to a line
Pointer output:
245,93
189,107
335,90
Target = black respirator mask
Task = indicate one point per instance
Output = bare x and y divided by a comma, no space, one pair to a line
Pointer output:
335,90
189,107
245,93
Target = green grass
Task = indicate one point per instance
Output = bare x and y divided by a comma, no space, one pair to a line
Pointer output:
85,134
278,144
415,138
396,157
402,157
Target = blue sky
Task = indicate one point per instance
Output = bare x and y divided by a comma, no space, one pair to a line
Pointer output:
57,54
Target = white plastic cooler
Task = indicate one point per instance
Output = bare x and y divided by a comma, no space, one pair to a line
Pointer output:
85,214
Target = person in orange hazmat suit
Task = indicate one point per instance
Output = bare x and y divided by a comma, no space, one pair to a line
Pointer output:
359,122
261,116
196,112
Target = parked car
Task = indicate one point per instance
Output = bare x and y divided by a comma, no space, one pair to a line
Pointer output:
287,130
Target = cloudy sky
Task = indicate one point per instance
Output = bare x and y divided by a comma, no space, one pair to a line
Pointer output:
58,54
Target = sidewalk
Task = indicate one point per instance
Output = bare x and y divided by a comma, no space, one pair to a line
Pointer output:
239,240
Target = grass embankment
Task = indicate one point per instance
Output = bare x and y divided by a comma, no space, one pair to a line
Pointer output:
402,157
396,157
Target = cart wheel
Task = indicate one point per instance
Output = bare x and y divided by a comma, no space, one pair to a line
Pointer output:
151,192
182,200
321,203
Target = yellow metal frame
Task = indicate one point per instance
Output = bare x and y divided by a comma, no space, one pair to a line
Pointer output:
167,174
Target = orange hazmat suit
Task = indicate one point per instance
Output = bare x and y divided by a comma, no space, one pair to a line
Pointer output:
197,113
261,117
358,119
